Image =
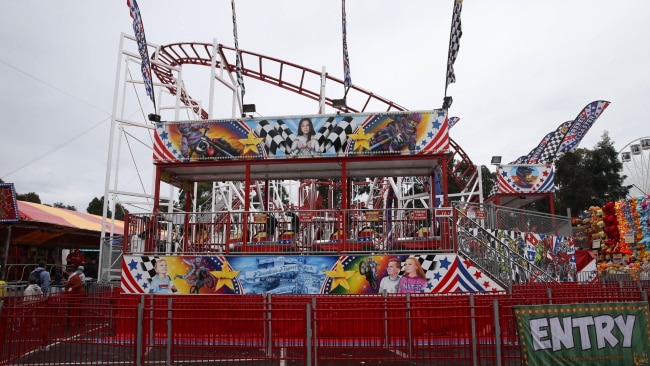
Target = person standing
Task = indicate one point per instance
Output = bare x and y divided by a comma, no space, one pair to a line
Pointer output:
390,283
42,276
414,279
81,274
73,285
32,289
74,291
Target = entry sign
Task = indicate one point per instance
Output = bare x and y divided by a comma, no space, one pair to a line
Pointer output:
443,212
614,333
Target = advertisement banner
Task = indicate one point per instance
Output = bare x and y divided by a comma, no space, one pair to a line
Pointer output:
526,178
359,134
584,334
326,274
8,206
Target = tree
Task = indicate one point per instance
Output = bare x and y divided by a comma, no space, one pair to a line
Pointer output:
203,193
489,180
96,207
120,212
29,197
61,205
587,177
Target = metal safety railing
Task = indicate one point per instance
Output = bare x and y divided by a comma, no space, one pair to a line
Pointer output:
299,232
107,327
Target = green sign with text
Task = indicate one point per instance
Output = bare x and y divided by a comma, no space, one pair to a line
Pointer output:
581,334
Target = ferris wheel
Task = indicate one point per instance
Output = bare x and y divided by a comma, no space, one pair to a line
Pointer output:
635,157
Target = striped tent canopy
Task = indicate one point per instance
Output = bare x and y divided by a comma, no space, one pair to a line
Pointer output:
42,225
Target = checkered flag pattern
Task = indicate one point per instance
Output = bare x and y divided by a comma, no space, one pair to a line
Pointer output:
339,135
145,66
321,136
454,41
272,139
147,265
428,262
547,155
287,135
238,66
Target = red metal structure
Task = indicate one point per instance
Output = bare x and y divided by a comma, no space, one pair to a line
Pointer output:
119,329
257,66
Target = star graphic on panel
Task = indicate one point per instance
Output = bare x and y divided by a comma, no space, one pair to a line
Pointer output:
133,265
224,277
339,276
250,143
444,263
361,140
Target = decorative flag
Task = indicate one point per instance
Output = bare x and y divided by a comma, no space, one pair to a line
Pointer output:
454,42
544,153
534,153
453,121
548,154
238,67
580,126
138,30
347,79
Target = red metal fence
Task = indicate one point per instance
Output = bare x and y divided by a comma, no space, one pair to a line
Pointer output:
116,329
303,232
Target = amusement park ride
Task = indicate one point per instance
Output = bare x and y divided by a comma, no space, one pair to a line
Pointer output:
371,186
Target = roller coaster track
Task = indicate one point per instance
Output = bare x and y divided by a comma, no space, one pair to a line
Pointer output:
288,76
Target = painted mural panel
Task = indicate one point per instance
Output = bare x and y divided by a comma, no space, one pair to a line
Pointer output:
525,178
363,274
421,132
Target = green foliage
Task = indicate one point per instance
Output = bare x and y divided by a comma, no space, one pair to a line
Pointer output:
29,197
588,177
61,205
489,180
96,207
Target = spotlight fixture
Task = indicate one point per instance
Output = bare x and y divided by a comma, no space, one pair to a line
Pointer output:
248,108
339,103
154,117
446,102
496,160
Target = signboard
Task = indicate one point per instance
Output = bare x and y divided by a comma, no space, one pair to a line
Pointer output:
372,216
419,214
525,178
8,206
259,218
305,216
444,212
358,134
309,274
584,334
595,244
476,214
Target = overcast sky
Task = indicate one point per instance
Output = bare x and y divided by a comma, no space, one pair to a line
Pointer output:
523,68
